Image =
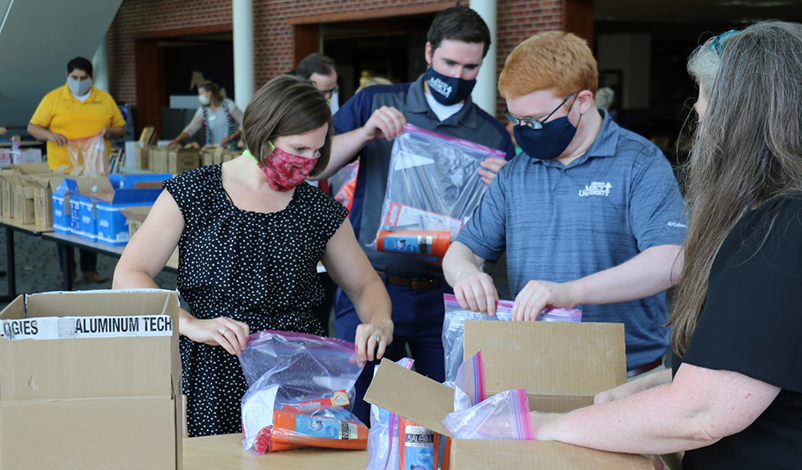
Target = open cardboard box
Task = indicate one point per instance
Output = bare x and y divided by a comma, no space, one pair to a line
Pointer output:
561,365
43,186
184,159
21,193
83,388
112,225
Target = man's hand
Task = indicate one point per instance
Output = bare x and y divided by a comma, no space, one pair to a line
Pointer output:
385,123
538,295
477,292
490,169
58,139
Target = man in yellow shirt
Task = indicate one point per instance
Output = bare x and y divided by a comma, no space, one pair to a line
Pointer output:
75,111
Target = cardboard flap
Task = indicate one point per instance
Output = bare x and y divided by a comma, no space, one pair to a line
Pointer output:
549,359
31,168
411,396
484,454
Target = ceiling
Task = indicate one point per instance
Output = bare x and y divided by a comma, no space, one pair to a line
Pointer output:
697,11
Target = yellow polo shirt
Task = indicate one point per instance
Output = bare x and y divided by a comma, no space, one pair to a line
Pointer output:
62,113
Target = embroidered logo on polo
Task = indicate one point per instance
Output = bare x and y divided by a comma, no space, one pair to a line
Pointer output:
596,188
440,86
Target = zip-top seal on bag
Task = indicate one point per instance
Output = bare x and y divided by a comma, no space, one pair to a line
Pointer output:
433,187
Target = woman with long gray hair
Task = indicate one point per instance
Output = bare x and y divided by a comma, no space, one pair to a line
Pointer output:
734,398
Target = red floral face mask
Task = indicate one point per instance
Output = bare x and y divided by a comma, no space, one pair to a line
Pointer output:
284,170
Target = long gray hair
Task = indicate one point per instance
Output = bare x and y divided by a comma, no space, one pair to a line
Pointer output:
746,151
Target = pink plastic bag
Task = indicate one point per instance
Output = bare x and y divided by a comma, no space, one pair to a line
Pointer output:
469,387
503,416
297,372
89,153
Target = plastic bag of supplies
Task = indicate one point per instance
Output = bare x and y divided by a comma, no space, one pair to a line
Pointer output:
300,388
433,187
456,316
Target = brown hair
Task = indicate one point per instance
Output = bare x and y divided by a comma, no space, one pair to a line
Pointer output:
551,60
747,150
214,89
286,105
460,24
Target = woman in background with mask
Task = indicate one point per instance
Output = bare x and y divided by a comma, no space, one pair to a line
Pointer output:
218,118
250,234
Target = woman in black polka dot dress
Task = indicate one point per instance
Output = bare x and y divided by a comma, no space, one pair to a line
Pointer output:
250,233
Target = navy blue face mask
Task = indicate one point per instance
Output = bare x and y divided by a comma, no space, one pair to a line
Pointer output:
448,90
544,140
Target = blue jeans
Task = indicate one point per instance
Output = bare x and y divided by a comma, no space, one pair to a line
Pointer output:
418,318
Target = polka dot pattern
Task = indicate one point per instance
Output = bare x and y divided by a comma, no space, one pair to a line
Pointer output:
257,268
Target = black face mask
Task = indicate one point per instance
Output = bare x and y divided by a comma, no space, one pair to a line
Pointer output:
448,90
550,140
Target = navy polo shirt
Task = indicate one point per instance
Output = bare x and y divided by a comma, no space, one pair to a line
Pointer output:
561,223
470,123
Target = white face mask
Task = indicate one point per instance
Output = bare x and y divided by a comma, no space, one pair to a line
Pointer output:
204,100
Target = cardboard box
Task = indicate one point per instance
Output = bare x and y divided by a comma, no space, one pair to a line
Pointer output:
158,160
102,392
21,193
43,186
67,207
130,181
112,225
6,194
212,155
148,137
561,365
181,160
16,157
142,160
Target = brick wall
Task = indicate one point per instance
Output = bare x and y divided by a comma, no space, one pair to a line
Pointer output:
273,52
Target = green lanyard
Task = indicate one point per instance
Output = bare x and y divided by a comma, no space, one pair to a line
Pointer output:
248,153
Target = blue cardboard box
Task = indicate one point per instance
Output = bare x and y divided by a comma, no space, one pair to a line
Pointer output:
112,225
66,204
61,208
130,181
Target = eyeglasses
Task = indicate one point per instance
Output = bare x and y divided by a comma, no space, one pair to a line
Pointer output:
717,46
534,123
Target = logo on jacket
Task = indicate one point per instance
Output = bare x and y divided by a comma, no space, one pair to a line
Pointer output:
596,188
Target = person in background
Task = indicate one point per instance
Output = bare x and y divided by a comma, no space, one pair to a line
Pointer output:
218,118
250,234
3,131
76,110
589,214
440,101
734,398
320,69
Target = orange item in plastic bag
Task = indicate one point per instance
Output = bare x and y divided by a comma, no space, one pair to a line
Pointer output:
296,429
417,448
432,243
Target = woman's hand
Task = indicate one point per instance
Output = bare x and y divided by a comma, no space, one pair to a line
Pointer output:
232,335
372,339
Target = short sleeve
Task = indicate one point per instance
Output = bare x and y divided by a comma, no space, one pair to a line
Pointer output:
354,113
485,233
116,117
329,213
656,207
187,189
752,319
44,112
